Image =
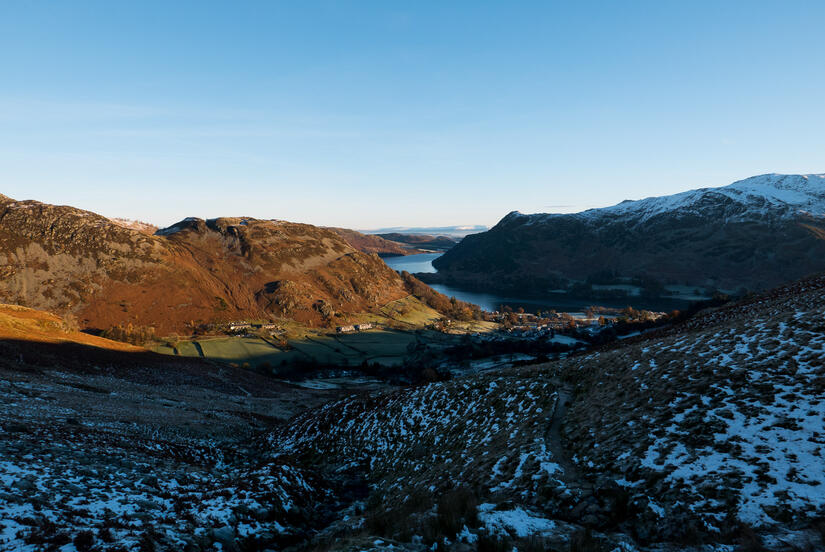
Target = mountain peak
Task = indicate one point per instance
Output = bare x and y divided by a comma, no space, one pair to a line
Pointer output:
772,194
756,232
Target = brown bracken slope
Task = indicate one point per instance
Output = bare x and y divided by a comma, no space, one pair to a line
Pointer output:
24,324
67,260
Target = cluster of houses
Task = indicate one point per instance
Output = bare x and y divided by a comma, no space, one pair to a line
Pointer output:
354,328
245,328
237,327
550,321
531,322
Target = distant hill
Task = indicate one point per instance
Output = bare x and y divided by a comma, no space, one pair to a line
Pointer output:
394,244
369,243
456,232
67,260
756,233
423,241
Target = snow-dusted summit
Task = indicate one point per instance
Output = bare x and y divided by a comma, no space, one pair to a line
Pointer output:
758,196
757,233
767,195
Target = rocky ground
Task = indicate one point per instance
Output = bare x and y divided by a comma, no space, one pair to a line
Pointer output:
151,458
715,427
707,436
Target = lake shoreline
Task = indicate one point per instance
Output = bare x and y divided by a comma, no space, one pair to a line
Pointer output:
491,299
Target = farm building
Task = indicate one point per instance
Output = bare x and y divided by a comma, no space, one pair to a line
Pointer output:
345,329
362,327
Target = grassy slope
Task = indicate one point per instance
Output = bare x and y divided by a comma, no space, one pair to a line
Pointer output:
21,323
142,452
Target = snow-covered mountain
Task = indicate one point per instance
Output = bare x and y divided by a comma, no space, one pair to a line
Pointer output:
756,233
767,195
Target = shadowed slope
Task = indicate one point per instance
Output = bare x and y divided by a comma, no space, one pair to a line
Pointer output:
757,233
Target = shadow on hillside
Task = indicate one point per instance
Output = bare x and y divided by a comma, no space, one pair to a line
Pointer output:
144,367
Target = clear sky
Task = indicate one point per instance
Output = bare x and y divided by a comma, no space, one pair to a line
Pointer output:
370,114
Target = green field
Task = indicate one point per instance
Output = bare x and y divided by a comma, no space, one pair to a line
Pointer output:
402,320
409,311
387,347
231,349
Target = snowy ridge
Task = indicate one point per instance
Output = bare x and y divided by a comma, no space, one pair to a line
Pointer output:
753,198
416,430
725,414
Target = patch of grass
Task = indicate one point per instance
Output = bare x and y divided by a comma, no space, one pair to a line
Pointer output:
386,347
455,509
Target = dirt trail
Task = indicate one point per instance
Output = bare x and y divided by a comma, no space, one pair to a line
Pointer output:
555,442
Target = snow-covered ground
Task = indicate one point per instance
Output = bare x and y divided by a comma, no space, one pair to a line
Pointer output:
451,431
724,421
97,463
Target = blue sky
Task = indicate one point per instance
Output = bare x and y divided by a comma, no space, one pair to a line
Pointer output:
371,114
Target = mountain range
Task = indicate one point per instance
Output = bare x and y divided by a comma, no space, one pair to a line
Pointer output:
70,261
755,233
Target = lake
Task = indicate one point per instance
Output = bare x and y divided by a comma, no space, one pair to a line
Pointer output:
422,262
553,301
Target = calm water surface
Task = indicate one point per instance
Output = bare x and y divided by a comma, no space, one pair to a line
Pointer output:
413,263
